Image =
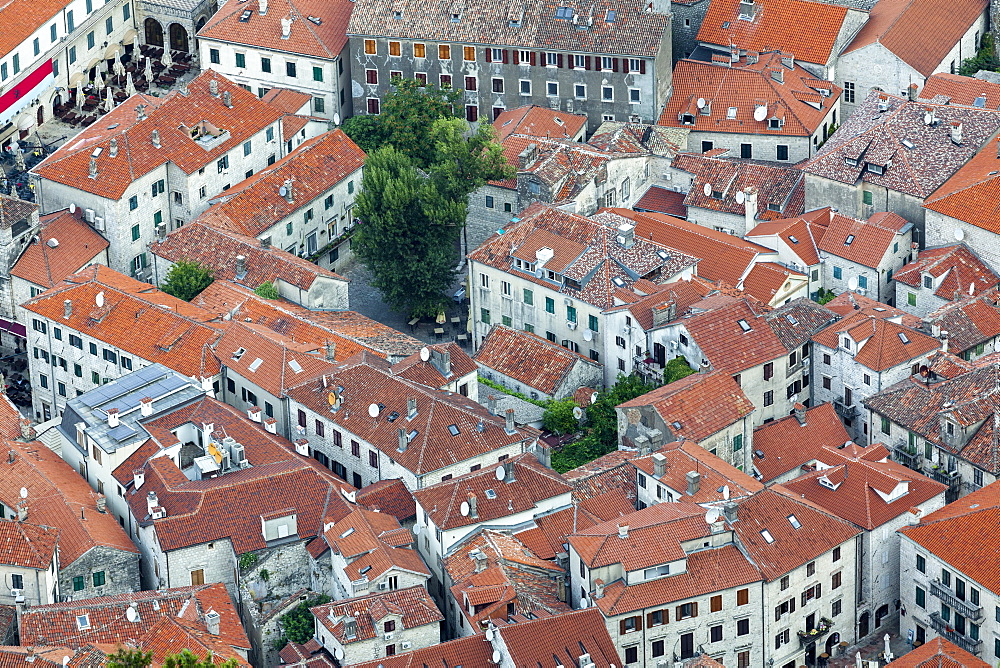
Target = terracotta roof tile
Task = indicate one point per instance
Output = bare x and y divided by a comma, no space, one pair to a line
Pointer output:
427,372
801,234
768,280
413,604
970,321
938,653
173,116
639,138
696,407
560,636
288,100
965,274
529,359
807,29
77,244
863,242
972,192
901,27
681,457
388,496
882,344
873,137
538,122
27,545
787,444
961,90
325,39
661,200
734,91
467,651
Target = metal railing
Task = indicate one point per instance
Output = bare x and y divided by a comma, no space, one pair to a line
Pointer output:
972,612
944,629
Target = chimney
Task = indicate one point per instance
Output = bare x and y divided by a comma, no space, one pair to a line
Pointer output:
27,431
227,99
800,413
155,138
67,308
212,622
262,7
241,266
350,627
22,510
944,341
626,235
664,313
730,511
491,404
114,147
92,170
480,559
254,413
528,156
441,359
659,465
911,92
213,87
623,531
146,406
509,424
508,471
403,439
750,208
411,408
286,28
265,243
151,502
102,503
331,349
138,478
140,112
473,506
271,425
599,583
113,419
694,482
207,429
956,133
289,190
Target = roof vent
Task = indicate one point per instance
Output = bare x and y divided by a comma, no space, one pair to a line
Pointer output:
227,99
693,482
155,138
956,133
113,149
623,531
92,170
262,6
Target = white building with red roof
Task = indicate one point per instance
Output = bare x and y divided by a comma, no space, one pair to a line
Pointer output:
941,275
29,561
972,324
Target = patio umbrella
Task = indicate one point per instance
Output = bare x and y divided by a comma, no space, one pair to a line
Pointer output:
149,69
13,191
888,651
119,67
167,60
109,103
19,158
129,85
79,95
99,82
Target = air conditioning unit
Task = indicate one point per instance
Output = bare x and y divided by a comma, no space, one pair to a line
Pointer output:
388,636
571,324
805,362
18,595
383,585
673,345
567,301
88,215
99,223
626,330
406,644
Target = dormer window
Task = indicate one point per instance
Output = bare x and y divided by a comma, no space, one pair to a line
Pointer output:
687,119
928,282
658,571
564,13
774,123
875,169
743,325
455,17
847,343
852,162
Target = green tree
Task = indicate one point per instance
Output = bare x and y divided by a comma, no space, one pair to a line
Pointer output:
365,131
298,624
408,115
129,658
462,164
676,369
186,279
267,290
558,417
187,659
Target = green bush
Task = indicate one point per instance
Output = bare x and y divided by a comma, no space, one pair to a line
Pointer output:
825,296
298,624
676,369
559,419
267,290
187,279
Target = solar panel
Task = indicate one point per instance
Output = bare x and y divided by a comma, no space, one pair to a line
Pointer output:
122,432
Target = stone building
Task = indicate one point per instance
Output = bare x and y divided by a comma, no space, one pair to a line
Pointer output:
29,562
611,64
939,276
173,24
972,325
782,447
862,256
684,471
19,222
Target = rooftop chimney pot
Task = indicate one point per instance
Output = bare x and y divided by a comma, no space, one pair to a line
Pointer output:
693,482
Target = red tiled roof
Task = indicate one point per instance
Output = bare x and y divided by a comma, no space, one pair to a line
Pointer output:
173,117
175,333
807,29
723,341
965,274
733,92
288,100
561,637
870,136
961,90
696,407
769,280
27,545
57,623
538,122
639,138
680,293
776,185
882,344
681,457
76,245
255,205
218,248
427,373
938,653
961,535
59,497
531,484
787,444
529,359
973,192
388,496
901,27
413,604
326,38
708,571
970,321
801,234
467,651
861,497
863,242
10,419
661,200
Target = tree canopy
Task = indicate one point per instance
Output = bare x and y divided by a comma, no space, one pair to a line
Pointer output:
135,658
186,279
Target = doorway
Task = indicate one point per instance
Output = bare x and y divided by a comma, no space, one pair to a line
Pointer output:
154,32
178,37
863,625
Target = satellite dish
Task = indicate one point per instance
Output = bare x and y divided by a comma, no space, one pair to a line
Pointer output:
725,492
701,103
417,528
496,656
928,118
852,283
577,412
425,353
373,410
100,299
500,473
959,234
593,397
489,634
712,516
336,119
24,492
72,207
539,273
760,113
588,335
740,197
707,189
332,398
584,603
66,660
464,509
131,614
282,191
338,652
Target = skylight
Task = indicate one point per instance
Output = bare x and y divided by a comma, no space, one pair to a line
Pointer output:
610,16
849,240
255,364
347,533
565,13
82,622
979,102
412,435
743,325
731,114
239,353
295,366
453,430
793,239
791,318
766,535
903,337
794,521
365,570
491,494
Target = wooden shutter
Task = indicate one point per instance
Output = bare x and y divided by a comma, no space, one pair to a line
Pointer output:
803,598
694,609
505,56
649,620
517,57
638,622
621,627
819,590
792,605
716,603
541,58
586,62
489,55
626,66
559,60
742,597
679,612
532,57
614,64
777,613
642,67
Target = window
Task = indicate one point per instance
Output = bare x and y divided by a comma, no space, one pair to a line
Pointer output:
444,52
370,47
769,398
571,313
469,53
607,93
550,305
78,583
373,106
921,597
290,70
72,59
593,323
769,367
419,50
686,611
371,76
716,603
552,89
629,624
484,315
109,27
90,43
241,60
319,105
715,633
445,80
373,459
632,654
497,85
213,56
742,627
849,91
53,29
529,297
579,91
99,578
36,47
837,579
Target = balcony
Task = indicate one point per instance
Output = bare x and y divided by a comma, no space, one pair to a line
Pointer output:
906,455
843,409
812,635
971,612
950,478
944,629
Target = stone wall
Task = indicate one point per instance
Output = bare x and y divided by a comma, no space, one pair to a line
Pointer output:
120,568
